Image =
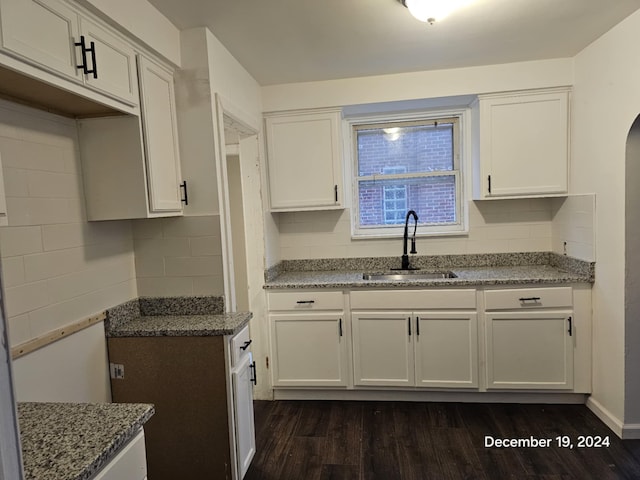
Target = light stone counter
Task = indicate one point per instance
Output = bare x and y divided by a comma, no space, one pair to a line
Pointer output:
73,441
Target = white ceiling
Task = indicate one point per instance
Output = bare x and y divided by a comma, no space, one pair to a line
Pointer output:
282,41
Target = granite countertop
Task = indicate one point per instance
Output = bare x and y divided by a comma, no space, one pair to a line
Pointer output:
173,317
73,441
470,270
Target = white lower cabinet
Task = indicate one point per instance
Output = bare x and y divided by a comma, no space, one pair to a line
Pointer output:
308,349
483,340
529,350
242,379
446,349
130,463
406,349
530,338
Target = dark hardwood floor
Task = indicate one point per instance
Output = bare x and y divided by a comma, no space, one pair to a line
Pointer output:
340,440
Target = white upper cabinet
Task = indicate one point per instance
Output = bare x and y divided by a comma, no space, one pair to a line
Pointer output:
130,164
521,144
160,129
304,160
57,39
43,32
114,62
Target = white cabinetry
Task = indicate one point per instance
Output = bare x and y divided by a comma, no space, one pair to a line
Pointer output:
426,348
57,38
308,339
529,338
160,129
131,165
521,145
304,151
201,387
243,376
129,463
114,62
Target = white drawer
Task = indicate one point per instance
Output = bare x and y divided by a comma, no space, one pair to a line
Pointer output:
516,299
240,345
414,299
306,300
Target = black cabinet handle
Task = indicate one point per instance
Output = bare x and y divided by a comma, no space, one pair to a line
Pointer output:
409,324
570,331
84,50
185,198
489,182
340,327
335,191
418,326
302,302
529,299
246,345
254,374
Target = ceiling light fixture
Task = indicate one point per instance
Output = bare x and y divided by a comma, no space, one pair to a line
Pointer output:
432,10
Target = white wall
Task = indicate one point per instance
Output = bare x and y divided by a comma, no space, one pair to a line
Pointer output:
632,279
573,223
494,226
142,20
409,86
606,101
57,268
178,256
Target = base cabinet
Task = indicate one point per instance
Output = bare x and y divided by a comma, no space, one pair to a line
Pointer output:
130,463
203,425
529,350
407,349
309,349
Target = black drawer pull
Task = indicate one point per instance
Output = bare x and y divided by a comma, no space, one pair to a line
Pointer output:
185,198
246,345
529,299
305,302
254,373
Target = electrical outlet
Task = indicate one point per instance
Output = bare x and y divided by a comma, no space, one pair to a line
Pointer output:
117,370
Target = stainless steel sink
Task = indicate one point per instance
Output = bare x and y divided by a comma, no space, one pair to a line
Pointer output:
408,275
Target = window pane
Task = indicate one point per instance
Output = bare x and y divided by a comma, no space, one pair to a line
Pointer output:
433,199
412,149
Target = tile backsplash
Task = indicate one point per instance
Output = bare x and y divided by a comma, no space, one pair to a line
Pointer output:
496,226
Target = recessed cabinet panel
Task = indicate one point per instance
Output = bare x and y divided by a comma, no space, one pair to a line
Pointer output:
308,349
161,137
383,349
114,61
304,160
43,32
446,346
243,416
522,148
529,350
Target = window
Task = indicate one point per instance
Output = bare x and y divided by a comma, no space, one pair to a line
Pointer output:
407,165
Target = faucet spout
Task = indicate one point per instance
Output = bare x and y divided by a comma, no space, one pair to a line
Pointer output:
405,256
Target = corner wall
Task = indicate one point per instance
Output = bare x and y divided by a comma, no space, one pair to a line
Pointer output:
606,101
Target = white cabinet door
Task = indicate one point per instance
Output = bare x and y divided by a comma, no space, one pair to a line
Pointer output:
114,62
308,349
446,349
383,349
243,415
43,32
529,350
130,463
523,144
304,160
159,123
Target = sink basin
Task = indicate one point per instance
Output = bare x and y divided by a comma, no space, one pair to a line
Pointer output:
408,275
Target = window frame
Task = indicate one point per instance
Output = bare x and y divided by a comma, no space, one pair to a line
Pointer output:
460,156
